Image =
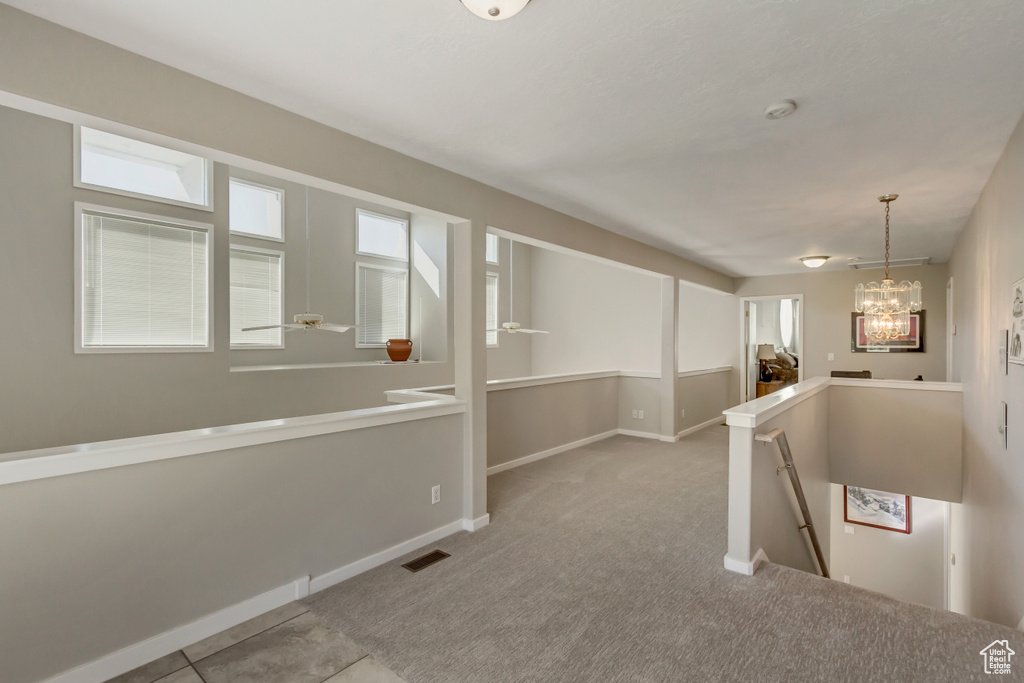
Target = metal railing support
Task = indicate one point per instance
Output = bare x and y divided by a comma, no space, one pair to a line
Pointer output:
779,436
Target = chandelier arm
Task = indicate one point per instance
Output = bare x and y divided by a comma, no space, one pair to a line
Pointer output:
887,240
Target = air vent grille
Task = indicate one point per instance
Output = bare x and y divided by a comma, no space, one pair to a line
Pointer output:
425,561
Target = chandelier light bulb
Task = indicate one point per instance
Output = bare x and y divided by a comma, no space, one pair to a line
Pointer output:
495,10
814,261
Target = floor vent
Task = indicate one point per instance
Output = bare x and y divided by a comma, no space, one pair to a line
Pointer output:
425,561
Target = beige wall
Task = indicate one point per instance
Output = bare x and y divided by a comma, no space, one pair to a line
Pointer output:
98,561
640,393
904,441
525,421
704,397
905,566
828,303
987,260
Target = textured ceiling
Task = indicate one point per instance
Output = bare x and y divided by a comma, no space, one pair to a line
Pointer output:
643,117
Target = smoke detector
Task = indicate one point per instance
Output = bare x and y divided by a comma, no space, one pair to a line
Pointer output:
780,109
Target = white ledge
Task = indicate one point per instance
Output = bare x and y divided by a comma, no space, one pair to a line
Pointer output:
760,410
709,371
539,380
321,366
757,412
62,460
897,384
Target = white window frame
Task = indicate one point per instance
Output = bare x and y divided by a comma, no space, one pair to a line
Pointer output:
257,250
497,308
384,216
497,249
359,313
82,208
253,235
77,180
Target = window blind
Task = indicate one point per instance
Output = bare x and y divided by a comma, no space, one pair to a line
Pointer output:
492,309
144,283
381,304
255,297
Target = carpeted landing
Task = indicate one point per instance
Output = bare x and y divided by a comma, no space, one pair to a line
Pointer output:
604,564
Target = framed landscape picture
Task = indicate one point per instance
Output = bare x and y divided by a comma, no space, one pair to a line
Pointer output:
1015,354
911,342
889,511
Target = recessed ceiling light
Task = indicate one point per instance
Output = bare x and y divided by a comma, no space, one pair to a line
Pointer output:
495,10
814,261
780,109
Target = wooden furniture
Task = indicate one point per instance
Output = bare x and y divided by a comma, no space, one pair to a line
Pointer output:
765,388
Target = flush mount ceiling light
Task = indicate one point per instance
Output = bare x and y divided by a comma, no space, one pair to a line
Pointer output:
495,10
780,109
814,261
887,306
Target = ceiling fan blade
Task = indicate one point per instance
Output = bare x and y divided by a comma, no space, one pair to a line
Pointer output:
265,327
335,327
526,331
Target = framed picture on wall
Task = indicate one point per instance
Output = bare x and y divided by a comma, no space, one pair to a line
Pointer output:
1015,354
879,509
910,342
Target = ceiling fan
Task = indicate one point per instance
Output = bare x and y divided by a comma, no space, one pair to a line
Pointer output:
307,320
513,327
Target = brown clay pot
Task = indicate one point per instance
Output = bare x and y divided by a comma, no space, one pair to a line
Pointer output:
399,350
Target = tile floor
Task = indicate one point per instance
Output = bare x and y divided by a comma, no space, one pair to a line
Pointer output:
287,645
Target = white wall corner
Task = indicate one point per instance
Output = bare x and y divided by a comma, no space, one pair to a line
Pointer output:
476,524
743,567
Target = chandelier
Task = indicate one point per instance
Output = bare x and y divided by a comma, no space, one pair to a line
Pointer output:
887,306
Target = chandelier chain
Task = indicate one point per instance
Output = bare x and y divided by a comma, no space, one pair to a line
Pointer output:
887,240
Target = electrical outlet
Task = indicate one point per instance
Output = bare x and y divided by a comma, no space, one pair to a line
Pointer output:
848,529
435,494
636,414
846,579
831,356
641,414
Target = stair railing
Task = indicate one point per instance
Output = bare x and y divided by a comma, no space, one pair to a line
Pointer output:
779,436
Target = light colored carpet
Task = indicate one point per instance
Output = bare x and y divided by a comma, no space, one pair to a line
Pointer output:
604,564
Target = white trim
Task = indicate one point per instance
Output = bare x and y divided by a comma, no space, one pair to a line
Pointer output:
146,138
133,656
259,186
743,567
896,384
760,410
83,208
57,113
497,308
476,524
518,462
642,435
323,366
386,217
717,420
539,380
641,374
336,576
281,266
709,371
63,460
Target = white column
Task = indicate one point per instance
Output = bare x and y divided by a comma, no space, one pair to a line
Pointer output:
669,356
471,367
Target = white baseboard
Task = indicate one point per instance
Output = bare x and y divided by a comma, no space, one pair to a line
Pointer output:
476,524
743,567
144,652
551,451
720,419
642,435
340,574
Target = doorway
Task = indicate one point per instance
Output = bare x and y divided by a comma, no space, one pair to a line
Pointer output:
773,325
